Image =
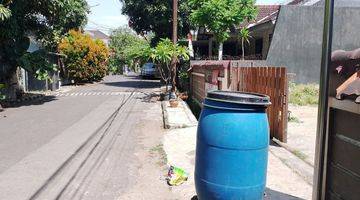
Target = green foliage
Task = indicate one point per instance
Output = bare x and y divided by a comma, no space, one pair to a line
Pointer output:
165,50
163,53
2,87
156,16
38,63
86,59
125,46
46,20
219,16
245,35
65,15
183,76
304,94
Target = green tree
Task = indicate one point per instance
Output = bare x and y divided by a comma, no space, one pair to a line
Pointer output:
46,20
156,16
244,36
125,46
37,63
162,55
219,16
86,59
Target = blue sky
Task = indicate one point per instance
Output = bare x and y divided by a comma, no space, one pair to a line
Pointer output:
106,14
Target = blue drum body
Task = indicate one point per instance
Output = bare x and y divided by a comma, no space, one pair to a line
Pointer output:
231,151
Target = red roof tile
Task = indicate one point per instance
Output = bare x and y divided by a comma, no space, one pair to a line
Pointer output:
265,13
296,2
266,10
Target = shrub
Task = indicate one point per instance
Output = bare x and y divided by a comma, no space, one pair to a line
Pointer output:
39,64
2,96
86,59
304,94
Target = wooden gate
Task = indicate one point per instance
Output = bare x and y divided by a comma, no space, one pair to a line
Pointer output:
271,81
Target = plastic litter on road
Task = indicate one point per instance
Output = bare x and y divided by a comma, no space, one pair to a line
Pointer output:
176,176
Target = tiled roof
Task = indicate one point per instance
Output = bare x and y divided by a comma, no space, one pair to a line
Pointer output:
96,34
266,10
296,2
265,13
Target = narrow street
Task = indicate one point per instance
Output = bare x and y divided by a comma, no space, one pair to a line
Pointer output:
97,141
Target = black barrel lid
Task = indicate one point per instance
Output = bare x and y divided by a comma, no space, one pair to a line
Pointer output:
239,97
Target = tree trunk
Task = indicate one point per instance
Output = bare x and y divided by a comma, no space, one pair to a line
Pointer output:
174,38
221,46
13,90
243,48
173,75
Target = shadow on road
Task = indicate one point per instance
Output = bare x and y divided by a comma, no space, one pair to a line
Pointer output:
271,195
38,101
150,97
139,84
276,195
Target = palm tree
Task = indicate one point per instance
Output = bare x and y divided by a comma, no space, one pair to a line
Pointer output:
245,36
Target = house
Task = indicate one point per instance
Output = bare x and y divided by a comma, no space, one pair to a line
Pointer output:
97,34
297,37
289,35
261,31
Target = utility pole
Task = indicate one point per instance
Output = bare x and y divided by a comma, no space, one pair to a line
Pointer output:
175,21
174,39
321,165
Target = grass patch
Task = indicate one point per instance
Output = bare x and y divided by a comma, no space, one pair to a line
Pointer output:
159,150
300,154
303,94
294,119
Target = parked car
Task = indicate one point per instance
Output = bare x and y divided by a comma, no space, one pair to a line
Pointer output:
149,70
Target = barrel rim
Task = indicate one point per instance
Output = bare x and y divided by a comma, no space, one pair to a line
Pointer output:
254,99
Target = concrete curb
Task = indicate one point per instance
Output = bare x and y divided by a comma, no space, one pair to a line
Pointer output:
189,113
190,122
10,103
292,150
296,164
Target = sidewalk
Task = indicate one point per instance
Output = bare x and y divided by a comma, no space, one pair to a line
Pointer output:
282,182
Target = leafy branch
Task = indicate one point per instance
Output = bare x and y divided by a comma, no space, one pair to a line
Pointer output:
38,63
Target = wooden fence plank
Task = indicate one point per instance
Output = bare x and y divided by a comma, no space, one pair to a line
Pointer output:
271,81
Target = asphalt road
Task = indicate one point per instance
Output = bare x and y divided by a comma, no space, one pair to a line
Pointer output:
26,128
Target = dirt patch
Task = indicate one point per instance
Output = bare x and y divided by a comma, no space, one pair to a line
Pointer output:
302,132
152,169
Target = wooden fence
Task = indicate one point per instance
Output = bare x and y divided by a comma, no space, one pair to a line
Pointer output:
271,81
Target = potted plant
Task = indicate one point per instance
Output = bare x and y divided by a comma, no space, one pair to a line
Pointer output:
183,96
174,103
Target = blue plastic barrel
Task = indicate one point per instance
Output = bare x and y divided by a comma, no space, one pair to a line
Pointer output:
232,146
